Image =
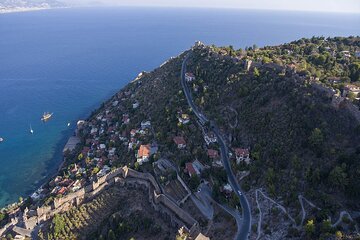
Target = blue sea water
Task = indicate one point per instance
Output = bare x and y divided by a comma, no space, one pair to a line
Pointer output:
68,61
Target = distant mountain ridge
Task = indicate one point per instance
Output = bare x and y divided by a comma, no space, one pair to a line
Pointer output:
26,5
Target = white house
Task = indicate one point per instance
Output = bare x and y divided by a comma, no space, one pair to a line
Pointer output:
210,138
103,171
135,105
357,54
242,154
115,103
145,124
112,152
352,89
184,118
189,77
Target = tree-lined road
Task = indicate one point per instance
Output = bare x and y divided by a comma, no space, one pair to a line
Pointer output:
246,223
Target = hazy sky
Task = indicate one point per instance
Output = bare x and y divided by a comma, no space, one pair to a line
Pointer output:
306,5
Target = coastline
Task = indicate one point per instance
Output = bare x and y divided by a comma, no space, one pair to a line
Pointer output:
57,160
27,9
52,169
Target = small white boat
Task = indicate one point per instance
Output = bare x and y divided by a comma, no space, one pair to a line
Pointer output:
68,124
46,116
1,139
31,130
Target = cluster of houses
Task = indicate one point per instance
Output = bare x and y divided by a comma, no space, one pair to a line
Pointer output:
349,89
101,141
241,155
352,89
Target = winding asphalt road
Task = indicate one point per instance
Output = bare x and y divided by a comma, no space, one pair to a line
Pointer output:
246,223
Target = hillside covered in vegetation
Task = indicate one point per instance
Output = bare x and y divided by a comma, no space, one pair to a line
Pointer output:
274,101
294,108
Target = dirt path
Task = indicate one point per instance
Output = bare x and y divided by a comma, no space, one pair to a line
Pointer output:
231,109
303,212
282,208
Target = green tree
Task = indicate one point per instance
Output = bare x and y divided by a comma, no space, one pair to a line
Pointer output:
266,60
58,224
338,235
355,72
234,200
256,72
310,227
338,177
136,166
95,170
194,182
326,226
111,235
316,138
2,216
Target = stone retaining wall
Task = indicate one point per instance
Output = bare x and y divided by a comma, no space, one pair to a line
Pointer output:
121,176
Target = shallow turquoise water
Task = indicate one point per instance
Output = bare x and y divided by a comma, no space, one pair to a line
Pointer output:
68,61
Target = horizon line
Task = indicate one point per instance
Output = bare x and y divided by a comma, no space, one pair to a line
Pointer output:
217,7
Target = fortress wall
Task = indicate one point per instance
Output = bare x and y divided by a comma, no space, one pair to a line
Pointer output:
146,176
159,202
88,188
7,226
184,216
182,183
43,210
97,190
353,110
31,222
60,201
185,187
115,173
322,88
168,215
336,101
158,206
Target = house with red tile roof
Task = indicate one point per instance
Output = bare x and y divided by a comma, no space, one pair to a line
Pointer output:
180,142
143,153
126,119
213,154
189,168
133,132
62,191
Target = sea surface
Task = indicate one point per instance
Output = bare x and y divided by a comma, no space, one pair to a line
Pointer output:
68,61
